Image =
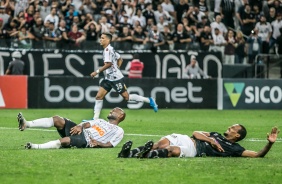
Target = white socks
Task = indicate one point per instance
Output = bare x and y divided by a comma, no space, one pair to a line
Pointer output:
138,98
97,108
48,145
40,123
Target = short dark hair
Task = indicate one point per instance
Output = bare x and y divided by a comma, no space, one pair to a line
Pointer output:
108,34
242,132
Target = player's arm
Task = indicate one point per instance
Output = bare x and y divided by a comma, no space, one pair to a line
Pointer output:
271,140
76,130
106,66
97,144
205,136
119,62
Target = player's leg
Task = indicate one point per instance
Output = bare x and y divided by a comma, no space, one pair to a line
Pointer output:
120,87
38,123
170,151
105,87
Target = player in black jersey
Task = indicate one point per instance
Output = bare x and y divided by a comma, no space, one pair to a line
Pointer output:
202,143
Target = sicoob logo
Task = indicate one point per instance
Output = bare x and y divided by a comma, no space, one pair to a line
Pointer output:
234,91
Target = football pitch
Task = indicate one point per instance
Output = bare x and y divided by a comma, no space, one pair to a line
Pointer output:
102,165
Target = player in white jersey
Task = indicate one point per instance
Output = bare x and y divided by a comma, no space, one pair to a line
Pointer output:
90,134
114,78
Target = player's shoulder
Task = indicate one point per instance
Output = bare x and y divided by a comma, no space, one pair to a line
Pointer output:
109,48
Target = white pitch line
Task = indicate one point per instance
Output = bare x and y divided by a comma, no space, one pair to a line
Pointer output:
140,135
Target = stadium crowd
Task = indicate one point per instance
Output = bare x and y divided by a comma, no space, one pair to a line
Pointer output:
236,28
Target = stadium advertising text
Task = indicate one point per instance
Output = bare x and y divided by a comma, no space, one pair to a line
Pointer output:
80,93
252,94
160,65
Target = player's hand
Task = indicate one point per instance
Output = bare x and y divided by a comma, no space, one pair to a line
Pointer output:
76,130
93,143
272,136
93,74
216,145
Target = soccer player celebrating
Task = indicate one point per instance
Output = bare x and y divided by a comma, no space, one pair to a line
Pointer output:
114,78
90,134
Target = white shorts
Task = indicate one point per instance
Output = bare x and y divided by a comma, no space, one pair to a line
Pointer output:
186,145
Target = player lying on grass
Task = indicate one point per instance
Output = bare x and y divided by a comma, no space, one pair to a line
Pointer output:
200,144
94,133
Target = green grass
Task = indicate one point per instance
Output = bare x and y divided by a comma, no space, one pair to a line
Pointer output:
101,165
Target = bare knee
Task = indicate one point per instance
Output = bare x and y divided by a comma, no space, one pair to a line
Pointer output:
65,141
173,151
59,122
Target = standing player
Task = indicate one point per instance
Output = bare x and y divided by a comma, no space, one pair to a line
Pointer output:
93,133
114,78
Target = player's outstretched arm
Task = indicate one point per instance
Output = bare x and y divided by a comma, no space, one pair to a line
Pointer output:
271,137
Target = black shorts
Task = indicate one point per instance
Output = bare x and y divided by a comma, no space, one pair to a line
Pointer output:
118,85
75,140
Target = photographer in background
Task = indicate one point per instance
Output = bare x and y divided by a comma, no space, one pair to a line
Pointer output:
193,71
16,67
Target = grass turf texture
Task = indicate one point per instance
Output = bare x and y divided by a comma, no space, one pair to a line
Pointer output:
101,165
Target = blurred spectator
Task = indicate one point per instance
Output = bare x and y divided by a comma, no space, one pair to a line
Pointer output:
75,38
196,15
161,24
29,16
181,8
276,25
53,17
92,30
20,6
76,20
125,22
272,15
141,5
181,38
240,50
134,68
10,30
105,26
88,6
148,13
98,9
25,38
72,11
63,43
219,42
168,38
52,36
253,46
193,71
65,7
264,30
125,39
139,17
279,42
257,13
2,34
138,38
216,9
248,20
155,39
114,33
200,26
240,11
4,16
162,13
206,39
16,67
203,7
227,11
168,6
150,24
229,50
277,5
219,25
